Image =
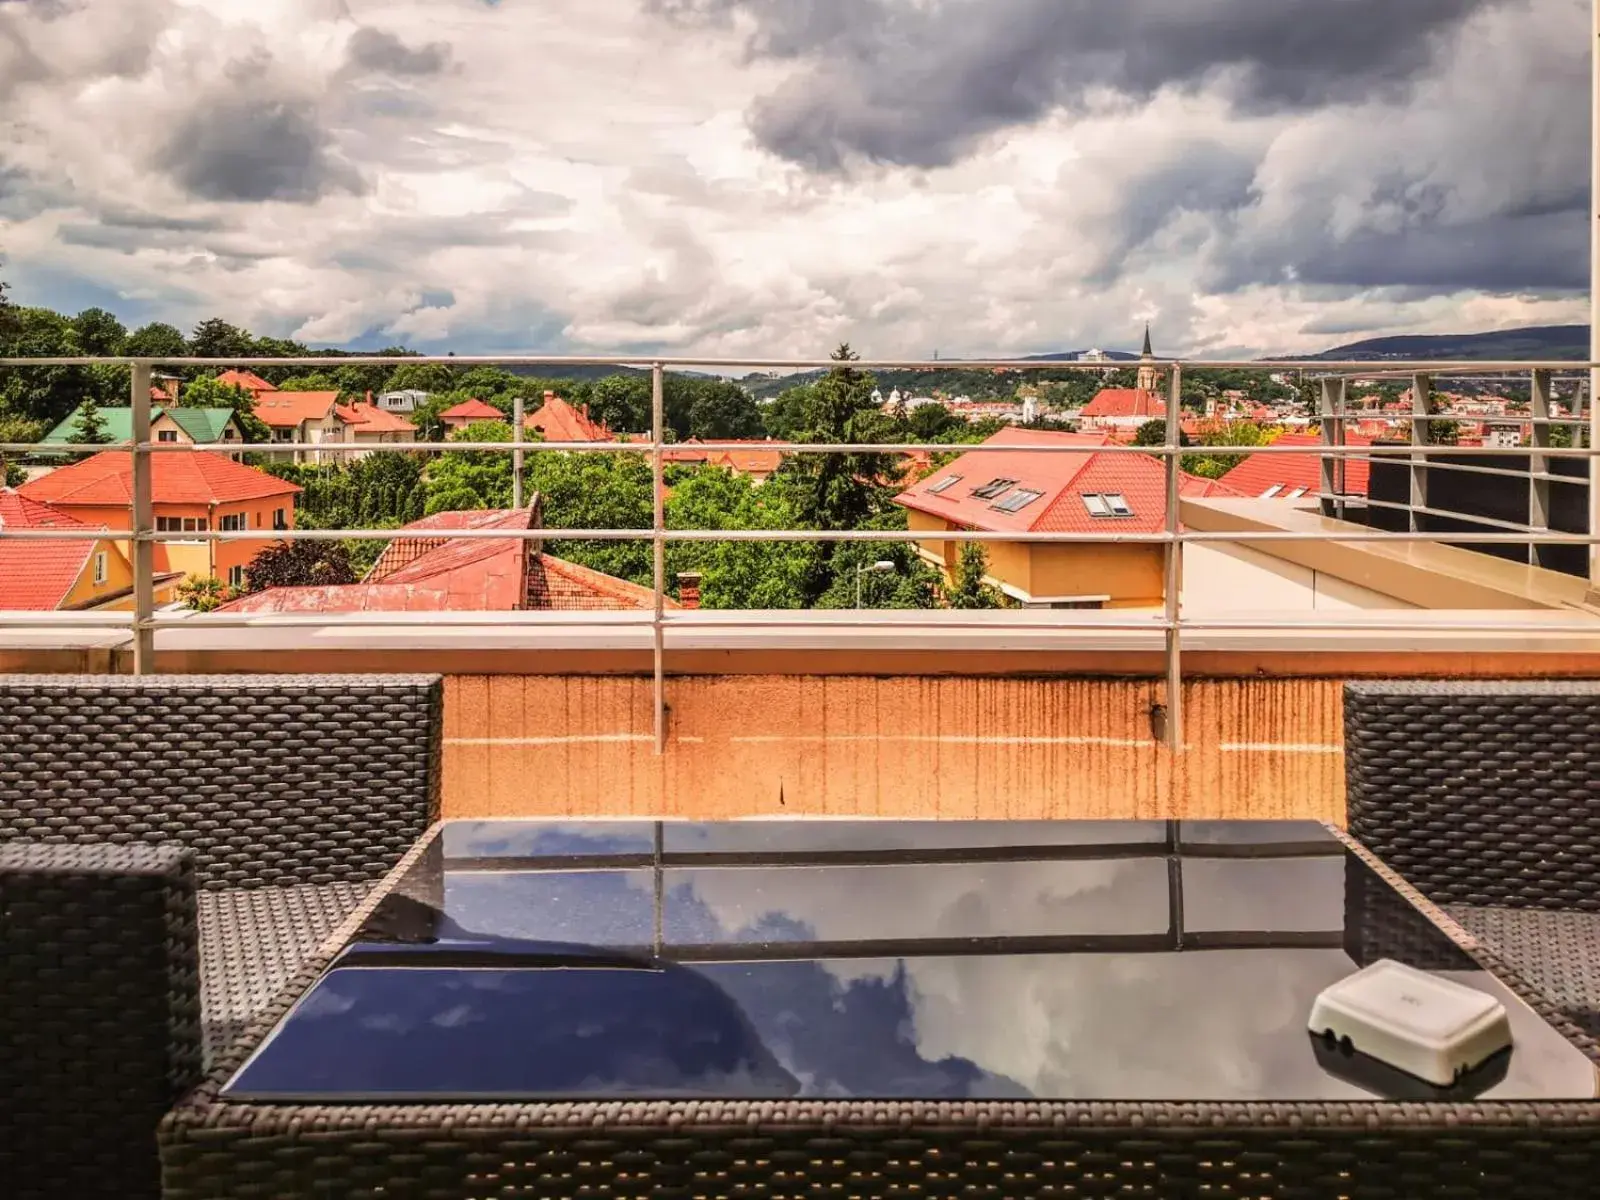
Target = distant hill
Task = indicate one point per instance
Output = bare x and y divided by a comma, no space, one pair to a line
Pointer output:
1536,342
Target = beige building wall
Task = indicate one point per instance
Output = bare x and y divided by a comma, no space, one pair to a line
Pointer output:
1219,578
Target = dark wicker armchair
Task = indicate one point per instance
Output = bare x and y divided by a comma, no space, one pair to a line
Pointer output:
1486,797
292,794
99,1015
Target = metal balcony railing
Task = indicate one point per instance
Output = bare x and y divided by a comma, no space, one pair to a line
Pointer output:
1332,379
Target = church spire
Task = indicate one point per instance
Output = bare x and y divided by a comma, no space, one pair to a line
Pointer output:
1148,353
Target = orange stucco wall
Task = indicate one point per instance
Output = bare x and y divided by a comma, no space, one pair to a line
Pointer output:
768,745
199,558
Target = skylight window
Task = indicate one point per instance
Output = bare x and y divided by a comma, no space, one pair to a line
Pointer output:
1017,500
1296,494
993,489
1107,504
1272,491
944,485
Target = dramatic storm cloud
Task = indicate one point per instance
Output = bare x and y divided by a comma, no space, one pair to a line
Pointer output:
771,176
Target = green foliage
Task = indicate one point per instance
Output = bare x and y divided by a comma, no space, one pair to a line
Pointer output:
98,332
47,394
467,479
596,491
205,593
1212,465
1154,433
89,427
912,583
316,381
723,412
299,564
621,402
16,429
215,338
739,574
378,491
156,340
426,377
785,417
967,588
207,392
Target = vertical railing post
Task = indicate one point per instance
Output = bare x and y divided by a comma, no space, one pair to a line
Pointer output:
517,438
1421,436
1539,466
1173,582
659,549
1594,302
1331,413
142,526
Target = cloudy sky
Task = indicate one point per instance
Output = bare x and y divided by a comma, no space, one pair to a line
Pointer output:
748,177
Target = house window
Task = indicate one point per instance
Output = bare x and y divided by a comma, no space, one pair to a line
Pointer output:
100,567
1119,504
944,485
278,520
993,488
236,523
166,435
235,576
1096,504
1017,500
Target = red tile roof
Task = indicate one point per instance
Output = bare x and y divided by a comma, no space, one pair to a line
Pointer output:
368,418
248,380
472,410
37,576
559,421
288,410
447,574
1126,402
1062,479
176,477
1259,473
751,457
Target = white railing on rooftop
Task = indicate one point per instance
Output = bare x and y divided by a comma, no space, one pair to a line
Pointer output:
1332,379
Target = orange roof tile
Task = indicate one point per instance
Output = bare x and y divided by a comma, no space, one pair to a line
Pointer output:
1260,473
176,477
447,574
368,418
1060,480
1126,402
248,380
37,576
472,410
288,410
558,421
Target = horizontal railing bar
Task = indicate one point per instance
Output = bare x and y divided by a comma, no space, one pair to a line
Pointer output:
1358,535
1445,535
1278,366
823,621
1399,450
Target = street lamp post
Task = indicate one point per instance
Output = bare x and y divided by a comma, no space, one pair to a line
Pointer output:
883,566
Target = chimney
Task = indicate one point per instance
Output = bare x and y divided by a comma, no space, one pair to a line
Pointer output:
549,396
369,397
689,589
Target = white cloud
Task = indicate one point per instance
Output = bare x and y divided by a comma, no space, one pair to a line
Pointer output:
581,174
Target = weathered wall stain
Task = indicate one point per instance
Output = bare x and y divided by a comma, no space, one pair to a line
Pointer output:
893,747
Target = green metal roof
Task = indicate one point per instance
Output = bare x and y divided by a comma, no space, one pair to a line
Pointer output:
202,424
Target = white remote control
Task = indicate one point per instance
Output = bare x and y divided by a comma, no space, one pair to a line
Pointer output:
1433,1028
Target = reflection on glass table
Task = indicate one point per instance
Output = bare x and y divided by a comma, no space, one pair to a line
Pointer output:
869,960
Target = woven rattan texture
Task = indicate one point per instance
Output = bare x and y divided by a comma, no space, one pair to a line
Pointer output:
99,1015
253,941
778,1150
1484,794
1556,952
268,780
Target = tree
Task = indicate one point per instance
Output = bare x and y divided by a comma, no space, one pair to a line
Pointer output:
739,575
99,332
47,394
207,392
785,417
469,479
1208,465
968,589
930,422
422,377
12,430
299,564
89,427
622,402
215,338
723,412
204,593
596,491
315,381
1154,433
155,340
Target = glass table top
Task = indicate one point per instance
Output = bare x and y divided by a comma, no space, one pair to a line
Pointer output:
875,960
